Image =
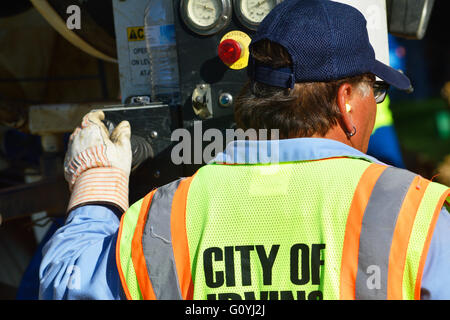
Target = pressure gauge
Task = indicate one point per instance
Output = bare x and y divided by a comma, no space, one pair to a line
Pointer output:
252,12
206,17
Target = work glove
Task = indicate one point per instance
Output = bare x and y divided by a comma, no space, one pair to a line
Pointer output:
97,165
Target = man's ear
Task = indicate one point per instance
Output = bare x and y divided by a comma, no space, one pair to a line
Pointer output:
343,102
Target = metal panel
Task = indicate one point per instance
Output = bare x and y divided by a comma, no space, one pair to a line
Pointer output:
58,118
133,59
151,128
200,64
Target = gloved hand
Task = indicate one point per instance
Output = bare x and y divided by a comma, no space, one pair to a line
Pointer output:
97,165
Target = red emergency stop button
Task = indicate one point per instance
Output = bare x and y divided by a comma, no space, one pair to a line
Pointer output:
229,51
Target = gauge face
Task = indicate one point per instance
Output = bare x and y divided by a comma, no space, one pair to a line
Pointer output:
206,17
252,12
256,10
204,13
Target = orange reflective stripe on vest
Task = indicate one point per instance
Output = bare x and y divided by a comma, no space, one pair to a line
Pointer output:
160,252
427,244
349,264
138,254
377,237
180,240
400,239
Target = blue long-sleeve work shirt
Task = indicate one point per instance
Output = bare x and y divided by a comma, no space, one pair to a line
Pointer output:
79,260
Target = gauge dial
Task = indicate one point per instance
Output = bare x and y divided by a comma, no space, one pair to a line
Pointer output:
204,13
252,12
256,10
206,17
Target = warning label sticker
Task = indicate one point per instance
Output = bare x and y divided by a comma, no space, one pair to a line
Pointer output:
139,57
136,33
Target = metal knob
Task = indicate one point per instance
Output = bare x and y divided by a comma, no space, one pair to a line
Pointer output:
226,100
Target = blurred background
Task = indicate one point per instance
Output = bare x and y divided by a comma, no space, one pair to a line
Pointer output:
39,67
422,118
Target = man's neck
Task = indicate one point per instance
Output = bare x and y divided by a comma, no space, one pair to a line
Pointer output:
336,133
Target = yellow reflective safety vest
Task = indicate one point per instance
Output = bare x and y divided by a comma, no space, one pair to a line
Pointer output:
384,115
338,228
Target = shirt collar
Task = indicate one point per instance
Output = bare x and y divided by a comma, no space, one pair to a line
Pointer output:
287,150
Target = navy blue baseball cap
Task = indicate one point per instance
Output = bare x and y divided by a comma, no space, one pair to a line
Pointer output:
326,40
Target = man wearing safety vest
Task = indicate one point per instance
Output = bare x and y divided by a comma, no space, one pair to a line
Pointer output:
315,219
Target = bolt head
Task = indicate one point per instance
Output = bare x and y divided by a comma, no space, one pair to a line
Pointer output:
225,100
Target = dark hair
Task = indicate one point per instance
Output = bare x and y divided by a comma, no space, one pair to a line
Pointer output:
309,108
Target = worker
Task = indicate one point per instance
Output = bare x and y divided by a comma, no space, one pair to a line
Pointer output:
315,219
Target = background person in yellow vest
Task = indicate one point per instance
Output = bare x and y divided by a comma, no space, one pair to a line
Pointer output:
316,218
384,144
